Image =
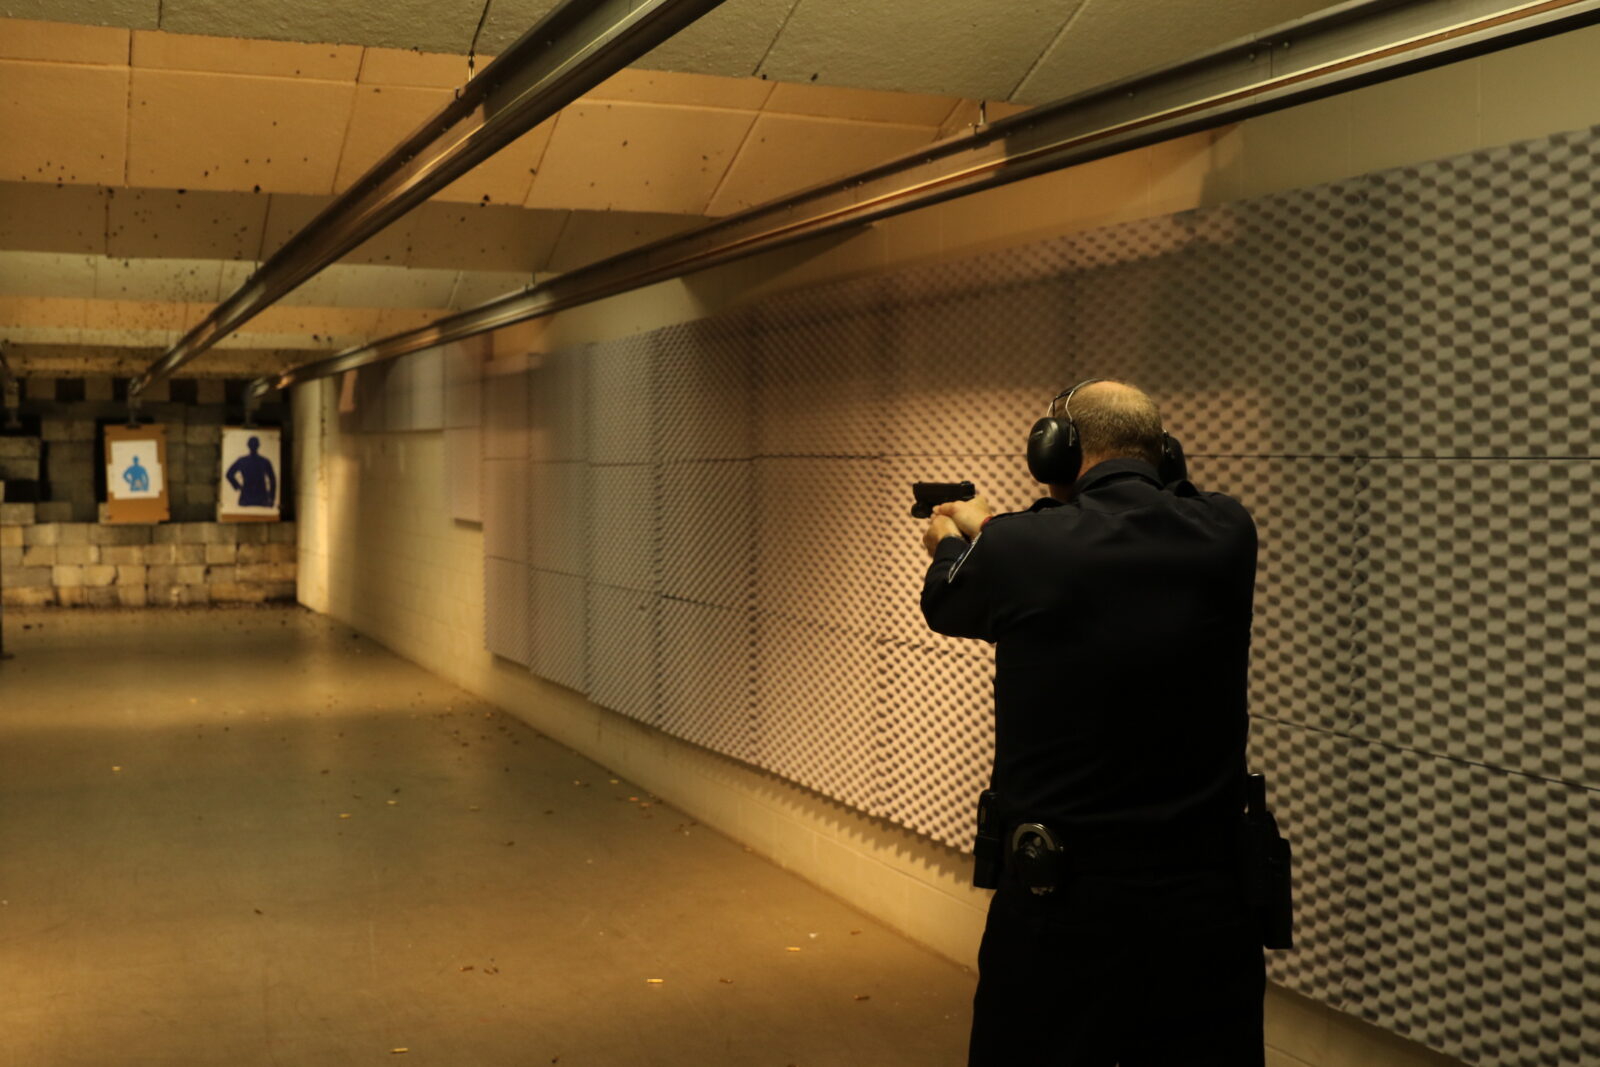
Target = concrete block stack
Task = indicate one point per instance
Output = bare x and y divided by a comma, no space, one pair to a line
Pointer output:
194,454
87,564
69,464
19,469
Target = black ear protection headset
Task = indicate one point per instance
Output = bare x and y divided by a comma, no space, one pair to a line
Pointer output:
1055,451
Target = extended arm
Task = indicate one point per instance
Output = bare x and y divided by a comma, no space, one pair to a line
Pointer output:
957,591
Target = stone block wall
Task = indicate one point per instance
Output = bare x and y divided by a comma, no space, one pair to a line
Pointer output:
83,564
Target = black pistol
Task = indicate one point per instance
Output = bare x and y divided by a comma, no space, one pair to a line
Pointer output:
930,495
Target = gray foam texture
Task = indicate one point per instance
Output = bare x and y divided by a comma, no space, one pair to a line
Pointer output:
1393,372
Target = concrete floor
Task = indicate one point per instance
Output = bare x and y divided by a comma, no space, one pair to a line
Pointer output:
252,837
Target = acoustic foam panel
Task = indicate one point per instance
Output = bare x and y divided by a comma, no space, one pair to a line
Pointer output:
821,385
708,676
1485,321
625,520
560,643
704,378
508,621
1475,894
1479,616
939,720
624,642
561,535
619,421
707,532
817,720
506,533
559,406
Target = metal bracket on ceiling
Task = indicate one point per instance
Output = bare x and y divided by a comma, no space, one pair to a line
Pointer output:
252,401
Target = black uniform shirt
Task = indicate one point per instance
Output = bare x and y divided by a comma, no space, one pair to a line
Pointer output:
1121,622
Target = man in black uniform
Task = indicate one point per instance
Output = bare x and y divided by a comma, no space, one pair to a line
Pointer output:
1120,609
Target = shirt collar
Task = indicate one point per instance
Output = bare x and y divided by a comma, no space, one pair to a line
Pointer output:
1116,468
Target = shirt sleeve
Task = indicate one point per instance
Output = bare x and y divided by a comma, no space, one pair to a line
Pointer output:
956,592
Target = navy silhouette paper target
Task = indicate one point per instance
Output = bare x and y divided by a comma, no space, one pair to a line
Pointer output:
251,481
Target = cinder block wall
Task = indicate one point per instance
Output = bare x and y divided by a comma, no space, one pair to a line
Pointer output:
76,564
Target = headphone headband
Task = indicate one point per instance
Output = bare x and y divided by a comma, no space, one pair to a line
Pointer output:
1067,412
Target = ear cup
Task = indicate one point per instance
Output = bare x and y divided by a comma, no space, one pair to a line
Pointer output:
1054,454
1174,467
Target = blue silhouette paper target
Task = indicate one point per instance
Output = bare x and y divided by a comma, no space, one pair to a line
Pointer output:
252,464
135,471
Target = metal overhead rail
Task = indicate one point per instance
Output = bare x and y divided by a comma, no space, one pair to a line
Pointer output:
570,51
1342,48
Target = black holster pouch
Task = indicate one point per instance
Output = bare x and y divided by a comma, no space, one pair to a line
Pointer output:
1265,857
987,854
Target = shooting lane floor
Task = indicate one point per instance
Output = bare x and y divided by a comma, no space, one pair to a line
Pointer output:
253,837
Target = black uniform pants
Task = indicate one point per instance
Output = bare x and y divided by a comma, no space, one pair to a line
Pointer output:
1152,970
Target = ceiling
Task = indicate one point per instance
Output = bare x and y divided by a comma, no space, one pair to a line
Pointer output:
1025,51
153,152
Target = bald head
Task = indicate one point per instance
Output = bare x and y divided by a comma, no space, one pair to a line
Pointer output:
1116,421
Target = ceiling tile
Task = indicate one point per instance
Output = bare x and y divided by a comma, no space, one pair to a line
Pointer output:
318,325
46,274
403,66
134,315
321,291
62,42
1112,39
53,218
61,123
41,311
694,90
234,55
142,14
787,153
479,287
867,105
394,287
383,116
176,280
163,223
288,214
432,25
729,41
974,50
483,237
590,236
230,131
386,115
505,177
638,157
